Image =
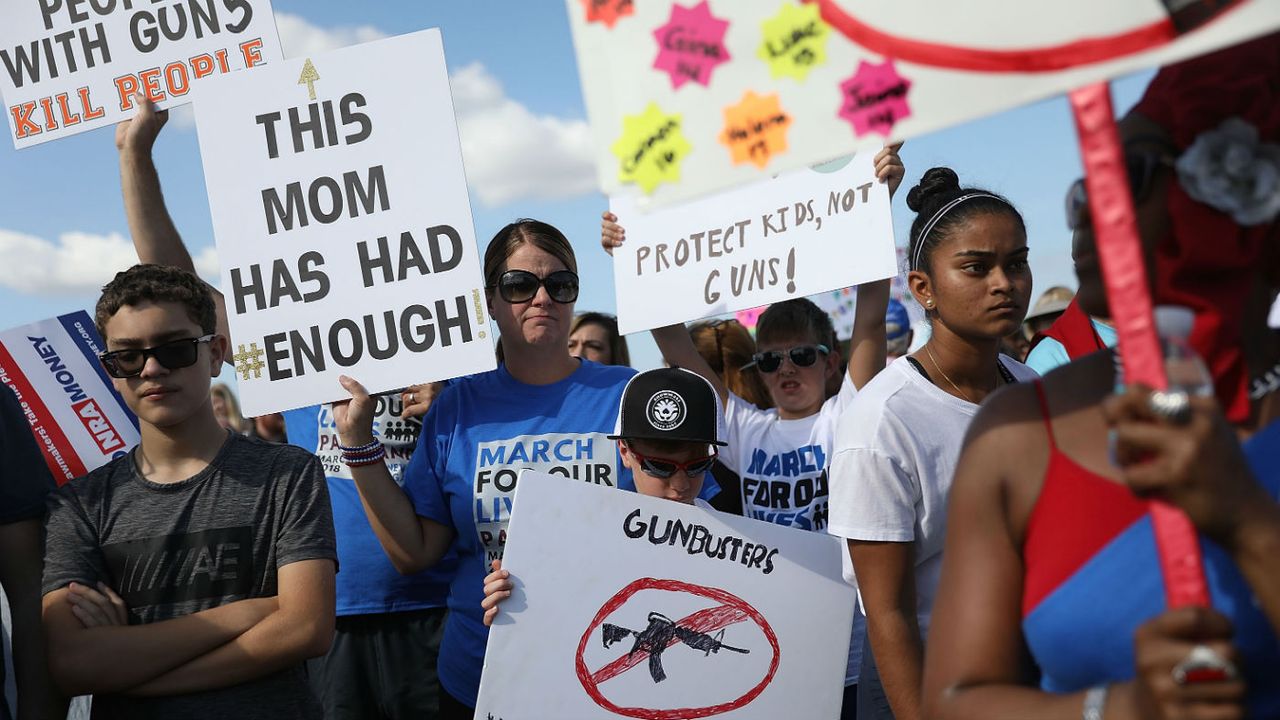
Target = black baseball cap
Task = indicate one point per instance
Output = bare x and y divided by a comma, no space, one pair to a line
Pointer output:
670,404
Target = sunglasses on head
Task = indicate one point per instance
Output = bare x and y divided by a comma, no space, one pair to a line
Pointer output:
663,468
801,356
517,286
171,355
1141,167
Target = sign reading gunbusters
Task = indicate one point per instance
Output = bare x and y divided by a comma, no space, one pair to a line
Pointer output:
67,66
343,224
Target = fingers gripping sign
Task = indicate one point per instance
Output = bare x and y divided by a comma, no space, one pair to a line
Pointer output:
497,587
354,417
139,133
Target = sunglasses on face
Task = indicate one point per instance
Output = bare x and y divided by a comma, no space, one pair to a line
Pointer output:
663,468
171,355
801,356
517,286
1141,167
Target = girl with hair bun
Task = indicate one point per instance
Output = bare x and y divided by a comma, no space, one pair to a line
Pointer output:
897,446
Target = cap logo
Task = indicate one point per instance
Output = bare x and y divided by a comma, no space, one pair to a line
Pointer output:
665,410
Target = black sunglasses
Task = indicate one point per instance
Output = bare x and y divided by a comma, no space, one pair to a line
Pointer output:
663,469
517,286
801,356
1141,166
171,355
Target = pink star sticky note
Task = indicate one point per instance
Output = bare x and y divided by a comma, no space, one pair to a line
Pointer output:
691,44
875,98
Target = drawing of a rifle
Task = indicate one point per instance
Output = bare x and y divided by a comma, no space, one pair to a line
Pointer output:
661,633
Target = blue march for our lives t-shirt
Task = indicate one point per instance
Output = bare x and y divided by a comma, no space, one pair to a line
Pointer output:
479,434
367,582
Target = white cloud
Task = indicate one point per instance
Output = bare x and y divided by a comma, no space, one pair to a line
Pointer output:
512,153
77,263
299,38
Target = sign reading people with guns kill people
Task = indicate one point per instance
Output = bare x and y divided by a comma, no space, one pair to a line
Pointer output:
642,607
343,224
67,66
804,232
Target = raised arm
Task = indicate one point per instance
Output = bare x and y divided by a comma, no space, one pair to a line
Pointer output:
111,656
155,238
301,627
868,346
412,542
673,340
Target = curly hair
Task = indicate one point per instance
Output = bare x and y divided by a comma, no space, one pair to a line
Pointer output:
156,283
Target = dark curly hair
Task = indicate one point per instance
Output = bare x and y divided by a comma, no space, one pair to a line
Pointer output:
156,283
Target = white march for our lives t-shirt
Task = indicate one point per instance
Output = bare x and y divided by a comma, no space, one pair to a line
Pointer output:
783,467
895,456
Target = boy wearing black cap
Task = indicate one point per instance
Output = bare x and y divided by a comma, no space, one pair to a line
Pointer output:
670,422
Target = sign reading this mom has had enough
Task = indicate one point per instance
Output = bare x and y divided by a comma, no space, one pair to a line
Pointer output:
343,225
803,232
67,66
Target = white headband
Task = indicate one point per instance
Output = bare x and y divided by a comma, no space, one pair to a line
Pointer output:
915,259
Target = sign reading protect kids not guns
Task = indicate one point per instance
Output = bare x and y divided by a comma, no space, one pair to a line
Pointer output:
67,66
78,420
804,232
693,96
642,607
343,225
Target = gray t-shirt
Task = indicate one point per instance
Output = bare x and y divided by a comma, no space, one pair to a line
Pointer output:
174,549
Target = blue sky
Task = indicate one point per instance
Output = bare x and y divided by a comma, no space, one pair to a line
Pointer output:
63,231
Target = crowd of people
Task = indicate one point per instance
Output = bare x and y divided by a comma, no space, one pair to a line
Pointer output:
994,484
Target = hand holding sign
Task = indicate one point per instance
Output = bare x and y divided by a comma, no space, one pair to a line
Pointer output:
138,134
354,417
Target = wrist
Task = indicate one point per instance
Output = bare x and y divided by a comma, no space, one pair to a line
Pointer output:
1257,535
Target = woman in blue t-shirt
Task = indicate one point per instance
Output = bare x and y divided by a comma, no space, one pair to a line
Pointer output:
541,409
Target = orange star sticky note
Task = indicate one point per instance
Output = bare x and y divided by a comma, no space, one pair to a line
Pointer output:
755,130
607,11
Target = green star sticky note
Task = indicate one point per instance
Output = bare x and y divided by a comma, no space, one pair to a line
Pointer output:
651,149
795,41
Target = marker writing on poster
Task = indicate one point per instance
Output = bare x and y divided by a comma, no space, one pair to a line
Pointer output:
78,40
696,539
709,245
329,199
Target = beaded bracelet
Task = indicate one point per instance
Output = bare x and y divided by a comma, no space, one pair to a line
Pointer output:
362,455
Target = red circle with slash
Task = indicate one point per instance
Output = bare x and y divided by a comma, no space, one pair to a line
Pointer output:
733,609
1022,60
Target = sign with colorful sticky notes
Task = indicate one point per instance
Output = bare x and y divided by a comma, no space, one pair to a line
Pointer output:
343,225
852,74
804,232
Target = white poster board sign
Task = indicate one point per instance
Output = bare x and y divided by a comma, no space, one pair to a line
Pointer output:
804,232
67,66
690,97
631,606
76,416
343,224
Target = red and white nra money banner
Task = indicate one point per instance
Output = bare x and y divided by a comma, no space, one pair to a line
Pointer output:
77,418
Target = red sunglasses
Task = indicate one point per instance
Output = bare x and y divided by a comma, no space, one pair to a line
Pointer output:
663,468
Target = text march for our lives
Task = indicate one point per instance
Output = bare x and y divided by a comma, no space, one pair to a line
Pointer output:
343,225
78,420
67,66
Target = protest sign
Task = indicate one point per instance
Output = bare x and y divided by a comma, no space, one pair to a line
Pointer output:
807,231
343,225
77,418
71,66
642,607
675,90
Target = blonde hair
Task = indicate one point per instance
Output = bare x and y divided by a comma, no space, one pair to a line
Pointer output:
726,346
235,420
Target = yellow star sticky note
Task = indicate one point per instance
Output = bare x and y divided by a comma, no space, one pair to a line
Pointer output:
795,40
651,149
755,129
